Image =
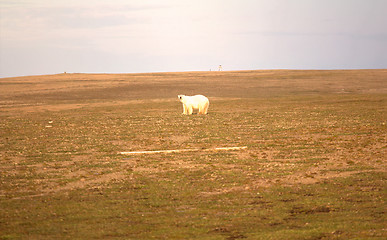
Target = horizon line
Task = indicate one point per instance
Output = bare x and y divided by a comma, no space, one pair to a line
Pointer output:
197,71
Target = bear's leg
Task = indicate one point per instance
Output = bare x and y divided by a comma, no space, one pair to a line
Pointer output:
190,110
184,109
205,108
201,110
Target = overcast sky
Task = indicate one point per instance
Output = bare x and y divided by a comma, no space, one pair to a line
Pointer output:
126,36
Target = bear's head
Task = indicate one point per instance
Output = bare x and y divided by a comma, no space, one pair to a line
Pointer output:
181,97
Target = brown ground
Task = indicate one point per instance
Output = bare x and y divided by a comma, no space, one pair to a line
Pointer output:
62,133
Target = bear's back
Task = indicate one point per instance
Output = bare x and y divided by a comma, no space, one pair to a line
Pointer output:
200,98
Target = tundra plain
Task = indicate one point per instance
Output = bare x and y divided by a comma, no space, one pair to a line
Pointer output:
314,167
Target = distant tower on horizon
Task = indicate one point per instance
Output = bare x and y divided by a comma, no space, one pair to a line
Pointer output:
220,68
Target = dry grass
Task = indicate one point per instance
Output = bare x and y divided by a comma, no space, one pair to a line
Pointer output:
314,168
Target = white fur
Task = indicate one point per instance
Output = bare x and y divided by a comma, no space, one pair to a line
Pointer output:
197,102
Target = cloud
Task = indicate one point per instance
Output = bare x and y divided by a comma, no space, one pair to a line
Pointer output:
73,25
65,17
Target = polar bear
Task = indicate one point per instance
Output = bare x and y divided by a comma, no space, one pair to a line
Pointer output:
197,102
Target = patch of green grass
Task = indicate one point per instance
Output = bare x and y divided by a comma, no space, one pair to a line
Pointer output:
150,207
